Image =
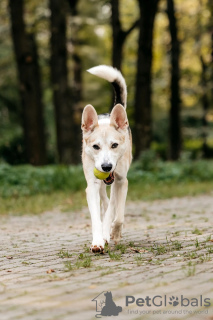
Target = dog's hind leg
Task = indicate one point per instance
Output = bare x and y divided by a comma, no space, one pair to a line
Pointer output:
121,187
104,198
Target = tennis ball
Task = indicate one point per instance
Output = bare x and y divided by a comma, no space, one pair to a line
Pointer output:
100,175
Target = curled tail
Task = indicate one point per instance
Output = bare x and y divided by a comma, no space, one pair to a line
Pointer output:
115,78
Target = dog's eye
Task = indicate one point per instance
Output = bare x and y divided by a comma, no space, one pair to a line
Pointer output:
114,145
96,147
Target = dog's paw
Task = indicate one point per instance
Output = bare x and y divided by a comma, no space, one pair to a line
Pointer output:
97,246
96,249
116,234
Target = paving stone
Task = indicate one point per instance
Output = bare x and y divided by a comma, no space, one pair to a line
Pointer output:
166,252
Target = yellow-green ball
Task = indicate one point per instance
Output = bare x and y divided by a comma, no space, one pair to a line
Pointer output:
100,175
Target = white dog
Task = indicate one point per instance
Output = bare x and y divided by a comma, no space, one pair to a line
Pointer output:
107,146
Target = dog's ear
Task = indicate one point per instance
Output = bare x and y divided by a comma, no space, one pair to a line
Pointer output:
118,117
89,119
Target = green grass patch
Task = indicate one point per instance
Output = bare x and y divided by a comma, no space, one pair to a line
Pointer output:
64,254
26,180
197,231
26,189
114,255
83,261
34,204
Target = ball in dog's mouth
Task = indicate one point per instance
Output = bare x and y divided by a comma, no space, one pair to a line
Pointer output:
100,175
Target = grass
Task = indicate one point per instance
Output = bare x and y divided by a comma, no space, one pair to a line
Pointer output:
131,244
71,201
34,204
83,261
197,243
68,266
209,249
64,254
109,271
190,272
168,247
191,255
197,231
159,190
122,247
114,255
205,258
176,245
150,227
26,189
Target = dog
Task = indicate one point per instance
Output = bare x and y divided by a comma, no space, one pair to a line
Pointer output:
107,146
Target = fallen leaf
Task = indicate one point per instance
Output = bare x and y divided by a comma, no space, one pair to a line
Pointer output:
9,257
50,271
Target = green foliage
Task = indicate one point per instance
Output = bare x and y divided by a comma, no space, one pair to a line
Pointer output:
93,45
28,180
150,169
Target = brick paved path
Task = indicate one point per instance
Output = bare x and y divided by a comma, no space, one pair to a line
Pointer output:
166,250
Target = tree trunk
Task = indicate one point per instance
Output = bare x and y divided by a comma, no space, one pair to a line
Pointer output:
59,77
205,105
210,3
143,108
118,37
175,126
29,85
77,108
77,83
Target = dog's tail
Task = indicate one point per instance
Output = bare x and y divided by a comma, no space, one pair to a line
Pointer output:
115,78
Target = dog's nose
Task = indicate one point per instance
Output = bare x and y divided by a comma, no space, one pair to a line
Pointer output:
106,167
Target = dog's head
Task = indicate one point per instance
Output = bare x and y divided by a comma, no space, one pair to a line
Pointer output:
105,141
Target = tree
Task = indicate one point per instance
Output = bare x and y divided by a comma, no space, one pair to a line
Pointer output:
142,107
175,126
77,83
210,4
205,106
29,85
59,77
118,35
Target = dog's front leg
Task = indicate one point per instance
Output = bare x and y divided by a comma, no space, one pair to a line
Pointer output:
93,200
121,188
109,215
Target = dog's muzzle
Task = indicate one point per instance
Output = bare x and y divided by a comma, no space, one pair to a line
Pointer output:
106,167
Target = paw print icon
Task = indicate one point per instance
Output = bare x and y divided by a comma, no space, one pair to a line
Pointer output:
173,301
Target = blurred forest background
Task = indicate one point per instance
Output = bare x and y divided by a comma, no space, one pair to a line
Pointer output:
164,49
